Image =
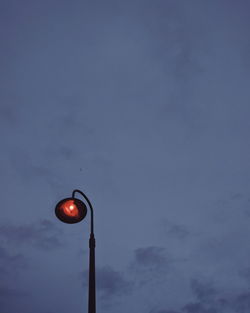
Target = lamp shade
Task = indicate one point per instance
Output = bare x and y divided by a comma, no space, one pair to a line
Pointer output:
70,210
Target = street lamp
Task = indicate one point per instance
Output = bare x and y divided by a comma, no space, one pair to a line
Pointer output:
71,211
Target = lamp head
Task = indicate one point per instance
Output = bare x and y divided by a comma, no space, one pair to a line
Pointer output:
70,210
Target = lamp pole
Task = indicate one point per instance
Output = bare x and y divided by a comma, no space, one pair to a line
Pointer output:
92,299
71,211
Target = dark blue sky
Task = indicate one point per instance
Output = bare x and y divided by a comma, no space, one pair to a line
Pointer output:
144,105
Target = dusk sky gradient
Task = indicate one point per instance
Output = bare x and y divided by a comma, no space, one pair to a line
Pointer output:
144,106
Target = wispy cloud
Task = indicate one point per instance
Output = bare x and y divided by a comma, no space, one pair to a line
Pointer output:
110,283
150,257
43,234
163,311
175,230
11,266
206,299
150,265
11,263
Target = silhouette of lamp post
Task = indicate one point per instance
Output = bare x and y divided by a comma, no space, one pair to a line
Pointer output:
71,211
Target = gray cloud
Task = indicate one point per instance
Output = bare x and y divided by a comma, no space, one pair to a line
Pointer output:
208,299
11,266
198,308
11,263
15,261
150,266
28,168
163,311
241,303
175,230
151,257
110,282
204,291
43,235
245,274
211,300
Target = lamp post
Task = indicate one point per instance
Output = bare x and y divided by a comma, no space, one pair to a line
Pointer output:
71,211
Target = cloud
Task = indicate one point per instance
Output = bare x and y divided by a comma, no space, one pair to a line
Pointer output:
29,168
242,303
211,300
10,262
208,299
149,266
198,308
174,230
10,299
43,234
110,282
204,291
150,257
163,311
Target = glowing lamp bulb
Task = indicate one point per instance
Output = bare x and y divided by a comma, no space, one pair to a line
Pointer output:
71,210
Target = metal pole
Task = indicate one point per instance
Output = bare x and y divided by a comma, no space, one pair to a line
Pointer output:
92,297
92,300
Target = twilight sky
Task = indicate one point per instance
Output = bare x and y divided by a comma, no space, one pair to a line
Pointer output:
143,105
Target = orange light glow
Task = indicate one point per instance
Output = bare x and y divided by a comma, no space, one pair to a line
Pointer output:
70,209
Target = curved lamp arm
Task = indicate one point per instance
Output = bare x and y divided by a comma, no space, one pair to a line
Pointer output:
90,205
